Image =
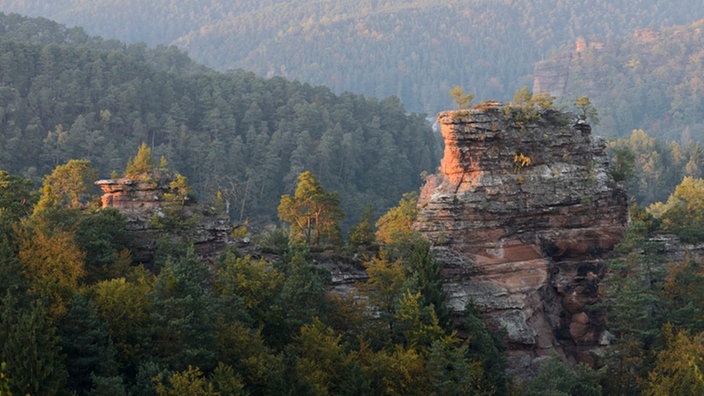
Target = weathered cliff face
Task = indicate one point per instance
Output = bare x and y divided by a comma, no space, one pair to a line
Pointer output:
554,76
138,200
551,76
145,202
523,240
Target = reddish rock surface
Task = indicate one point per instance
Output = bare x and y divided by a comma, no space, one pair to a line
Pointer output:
133,198
526,245
142,200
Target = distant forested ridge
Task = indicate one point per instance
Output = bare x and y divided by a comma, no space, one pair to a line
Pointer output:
650,79
64,95
416,50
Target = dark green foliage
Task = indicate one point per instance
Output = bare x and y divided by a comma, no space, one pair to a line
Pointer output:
651,168
380,47
302,297
144,384
107,386
240,326
622,164
16,201
631,290
556,379
30,348
484,346
275,240
167,248
451,373
361,235
640,299
4,380
234,133
182,317
423,275
12,279
102,236
684,296
17,198
87,347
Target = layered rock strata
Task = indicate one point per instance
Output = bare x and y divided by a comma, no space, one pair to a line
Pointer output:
144,202
520,215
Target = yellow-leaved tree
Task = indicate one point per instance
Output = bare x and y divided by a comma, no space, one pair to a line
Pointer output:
313,213
54,264
683,213
680,366
395,225
142,164
67,187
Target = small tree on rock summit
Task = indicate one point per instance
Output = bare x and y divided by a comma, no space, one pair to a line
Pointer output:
141,164
462,99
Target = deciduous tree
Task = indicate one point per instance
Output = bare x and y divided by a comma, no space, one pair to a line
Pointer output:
54,264
680,366
395,225
67,187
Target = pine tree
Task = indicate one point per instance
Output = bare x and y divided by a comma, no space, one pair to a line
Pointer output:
142,164
362,234
30,347
88,348
463,101
182,315
313,213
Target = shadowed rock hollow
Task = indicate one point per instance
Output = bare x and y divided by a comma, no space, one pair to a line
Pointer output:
520,215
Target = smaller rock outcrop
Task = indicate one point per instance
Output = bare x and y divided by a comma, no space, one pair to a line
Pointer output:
151,210
137,199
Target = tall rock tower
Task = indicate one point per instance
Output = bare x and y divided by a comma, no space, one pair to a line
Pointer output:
520,216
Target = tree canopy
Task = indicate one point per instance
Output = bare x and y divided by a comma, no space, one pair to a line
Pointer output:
78,98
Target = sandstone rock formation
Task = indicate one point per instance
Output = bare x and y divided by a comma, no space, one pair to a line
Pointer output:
144,202
551,76
520,215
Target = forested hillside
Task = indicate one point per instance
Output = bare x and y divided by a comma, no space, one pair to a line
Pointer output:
416,50
72,97
650,79
77,317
